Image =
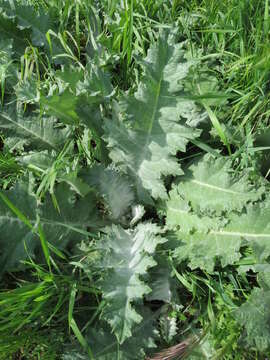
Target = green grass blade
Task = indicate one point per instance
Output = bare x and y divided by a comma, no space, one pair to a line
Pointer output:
81,338
16,211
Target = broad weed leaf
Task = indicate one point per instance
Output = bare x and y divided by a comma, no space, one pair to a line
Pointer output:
127,255
115,188
40,133
211,185
156,121
67,227
254,315
214,212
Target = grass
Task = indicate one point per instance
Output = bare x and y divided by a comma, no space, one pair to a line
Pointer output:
42,309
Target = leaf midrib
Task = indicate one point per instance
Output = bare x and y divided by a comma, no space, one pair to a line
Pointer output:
149,131
155,107
214,187
240,234
26,130
69,225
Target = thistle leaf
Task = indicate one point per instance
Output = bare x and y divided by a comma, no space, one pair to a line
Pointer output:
75,218
168,328
37,23
14,229
251,228
254,315
62,106
104,344
26,20
126,256
157,120
9,30
60,229
180,214
214,212
114,187
163,286
211,185
40,133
